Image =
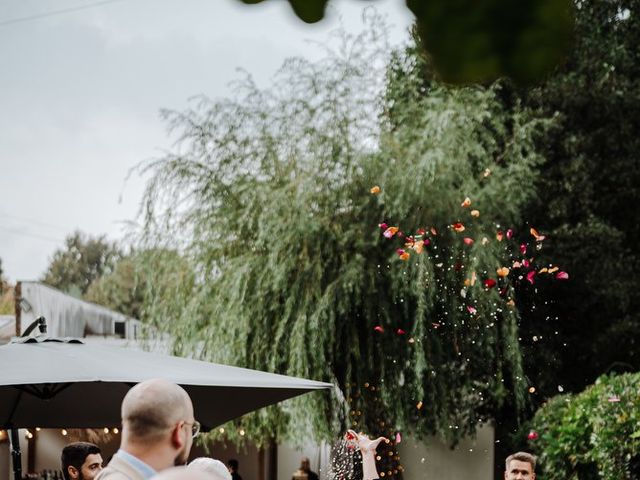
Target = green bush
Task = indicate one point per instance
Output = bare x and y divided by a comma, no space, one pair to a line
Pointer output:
592,435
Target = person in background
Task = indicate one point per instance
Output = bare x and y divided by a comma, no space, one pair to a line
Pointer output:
81,461
158,428
520,466
233,469
215,469
305,472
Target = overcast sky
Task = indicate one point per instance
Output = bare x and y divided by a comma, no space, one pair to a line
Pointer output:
80,93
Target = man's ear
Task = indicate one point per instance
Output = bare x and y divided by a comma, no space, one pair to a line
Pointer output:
73,472
176,436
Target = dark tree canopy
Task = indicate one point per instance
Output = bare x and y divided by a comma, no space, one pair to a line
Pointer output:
484,41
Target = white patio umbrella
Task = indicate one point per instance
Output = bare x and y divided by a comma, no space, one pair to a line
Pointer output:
53,383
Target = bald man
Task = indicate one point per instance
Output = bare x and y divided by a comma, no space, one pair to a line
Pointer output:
158,428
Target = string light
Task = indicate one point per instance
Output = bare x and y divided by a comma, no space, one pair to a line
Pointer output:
38,429
105,430
116,431
64,432
242,432
221,430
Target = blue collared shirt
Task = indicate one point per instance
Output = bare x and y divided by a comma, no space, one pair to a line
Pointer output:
146,471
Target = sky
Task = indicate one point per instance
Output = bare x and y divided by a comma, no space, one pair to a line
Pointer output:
81,90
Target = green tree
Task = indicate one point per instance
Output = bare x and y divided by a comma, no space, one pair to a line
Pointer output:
82,260
268,196
521,40
592,435
138,275
587,198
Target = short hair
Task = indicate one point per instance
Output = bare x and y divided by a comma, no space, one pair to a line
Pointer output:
75,454
153,406
233,463
213,467
522,457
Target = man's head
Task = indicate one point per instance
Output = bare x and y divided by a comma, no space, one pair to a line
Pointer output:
233,465
157,419
305,464
520,466
81,461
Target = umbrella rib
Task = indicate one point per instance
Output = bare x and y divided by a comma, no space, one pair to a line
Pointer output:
47,391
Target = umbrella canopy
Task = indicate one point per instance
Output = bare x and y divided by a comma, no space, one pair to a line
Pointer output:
54,383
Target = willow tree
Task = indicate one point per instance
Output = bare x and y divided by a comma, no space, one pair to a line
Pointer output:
268,194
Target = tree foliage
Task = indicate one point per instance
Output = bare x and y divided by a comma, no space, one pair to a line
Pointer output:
82,260
521,40
138,275
267,194
593,435
588,195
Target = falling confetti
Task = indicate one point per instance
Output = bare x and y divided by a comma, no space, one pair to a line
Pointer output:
375,190
378,328
466,203
398,438
390,232
530,277
475,213
533,435
536,235
468,241
489,283
471,310
562,276
502,272
458,227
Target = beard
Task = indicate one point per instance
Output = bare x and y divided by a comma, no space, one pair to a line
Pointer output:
181,458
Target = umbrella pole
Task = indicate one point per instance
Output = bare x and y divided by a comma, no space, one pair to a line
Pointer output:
16,457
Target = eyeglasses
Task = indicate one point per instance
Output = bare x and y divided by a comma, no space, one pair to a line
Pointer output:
195,428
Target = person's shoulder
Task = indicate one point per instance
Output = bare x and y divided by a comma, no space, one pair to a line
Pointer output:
112,474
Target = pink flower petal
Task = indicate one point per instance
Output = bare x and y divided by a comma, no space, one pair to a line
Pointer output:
530,276
523,248
398,438
400,331
468,241
562,276
509,234
378,328
471,310
489,283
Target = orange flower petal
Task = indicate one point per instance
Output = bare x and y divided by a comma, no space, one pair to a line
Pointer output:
375,190
502,272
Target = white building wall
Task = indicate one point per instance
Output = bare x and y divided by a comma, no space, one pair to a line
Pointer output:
433,460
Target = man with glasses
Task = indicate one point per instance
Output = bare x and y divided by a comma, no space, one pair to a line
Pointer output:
158,428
